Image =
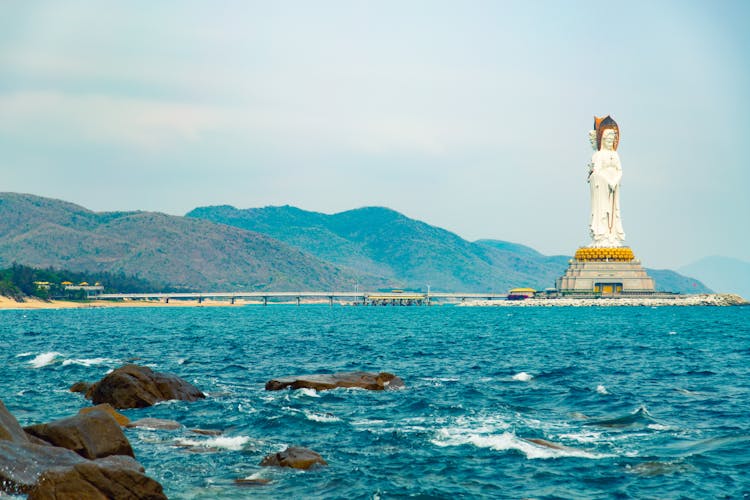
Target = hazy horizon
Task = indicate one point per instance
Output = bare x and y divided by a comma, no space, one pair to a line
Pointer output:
468,116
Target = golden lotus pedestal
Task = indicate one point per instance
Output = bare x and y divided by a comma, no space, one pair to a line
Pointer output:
605,271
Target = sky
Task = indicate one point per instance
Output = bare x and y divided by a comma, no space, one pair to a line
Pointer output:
469,115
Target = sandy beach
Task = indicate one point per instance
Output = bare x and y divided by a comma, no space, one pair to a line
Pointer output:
30,303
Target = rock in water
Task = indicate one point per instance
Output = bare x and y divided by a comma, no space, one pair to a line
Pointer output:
119,417
95,434
53,473
294,457
113,477
322,382
133,386
155,424
81,387
10,430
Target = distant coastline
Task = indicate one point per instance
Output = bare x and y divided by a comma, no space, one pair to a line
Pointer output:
712,299
32,303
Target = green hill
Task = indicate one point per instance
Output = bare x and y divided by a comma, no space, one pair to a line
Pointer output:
178,251
273,248
373,240
411,253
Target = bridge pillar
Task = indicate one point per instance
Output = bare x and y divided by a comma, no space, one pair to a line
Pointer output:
297,300
265,301
200,299
232,301
330,300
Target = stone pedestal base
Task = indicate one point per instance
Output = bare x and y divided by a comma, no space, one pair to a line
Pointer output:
606,272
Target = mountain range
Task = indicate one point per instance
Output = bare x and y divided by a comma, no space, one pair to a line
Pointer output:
274,248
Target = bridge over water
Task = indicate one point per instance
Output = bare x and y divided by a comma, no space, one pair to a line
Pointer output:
369,298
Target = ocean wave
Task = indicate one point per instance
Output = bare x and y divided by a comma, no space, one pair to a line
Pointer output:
321,417
600,389
639,418
24,354
307,392
45,359
87,361
220,442
522,377
507,441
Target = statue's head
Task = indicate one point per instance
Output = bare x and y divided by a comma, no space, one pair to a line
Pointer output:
606,123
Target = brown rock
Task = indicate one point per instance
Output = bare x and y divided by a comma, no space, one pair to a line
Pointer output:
156,423
249,481
23,463
106,407
546,444
294,457
95,434
67,474
82,387
207,432
322,382
133,386
97,480
10,430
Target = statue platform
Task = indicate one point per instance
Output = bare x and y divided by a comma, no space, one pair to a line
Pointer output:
605,271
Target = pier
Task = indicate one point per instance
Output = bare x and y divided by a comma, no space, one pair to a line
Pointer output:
359,298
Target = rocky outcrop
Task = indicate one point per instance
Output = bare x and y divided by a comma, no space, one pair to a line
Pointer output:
54,473
322,382
113,477
133,386
95,434
160,424
294,457
10,430
712,299
81,387
107,408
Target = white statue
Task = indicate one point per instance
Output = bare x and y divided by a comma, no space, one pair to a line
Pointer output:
605,173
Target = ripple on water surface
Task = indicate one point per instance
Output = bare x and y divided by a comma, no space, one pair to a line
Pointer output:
584,403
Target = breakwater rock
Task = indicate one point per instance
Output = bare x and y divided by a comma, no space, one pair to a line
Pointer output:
676,300
133,386
322,382
45,471
95,434
294,457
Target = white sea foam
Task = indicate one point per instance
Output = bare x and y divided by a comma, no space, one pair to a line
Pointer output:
672,333
321,417
659,427
601,389
87,361
522,377
24,354
583,437
508,441
227,443
44,359
306,391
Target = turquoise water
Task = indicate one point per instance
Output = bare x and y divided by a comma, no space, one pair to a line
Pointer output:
646,402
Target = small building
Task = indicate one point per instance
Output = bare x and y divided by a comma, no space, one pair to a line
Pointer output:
521,293
42,285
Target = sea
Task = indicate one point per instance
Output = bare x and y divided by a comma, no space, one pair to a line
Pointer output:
500,402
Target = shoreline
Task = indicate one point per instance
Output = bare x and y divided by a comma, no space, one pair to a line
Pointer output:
715,299
706,299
